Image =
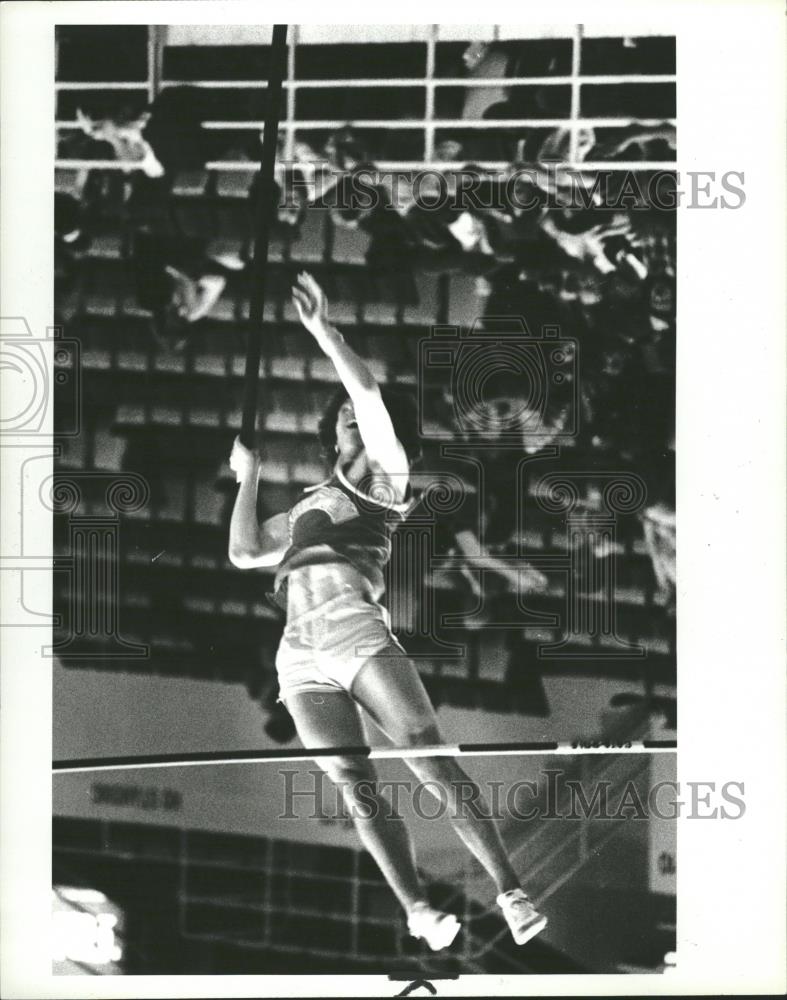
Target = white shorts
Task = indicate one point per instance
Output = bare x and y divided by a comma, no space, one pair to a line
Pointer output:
334,624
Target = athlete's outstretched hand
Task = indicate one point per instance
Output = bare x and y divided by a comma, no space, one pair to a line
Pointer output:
311,303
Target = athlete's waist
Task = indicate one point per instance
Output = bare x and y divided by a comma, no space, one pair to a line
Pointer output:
368,559
318,584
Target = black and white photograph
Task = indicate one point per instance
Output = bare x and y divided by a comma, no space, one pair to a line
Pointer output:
356,422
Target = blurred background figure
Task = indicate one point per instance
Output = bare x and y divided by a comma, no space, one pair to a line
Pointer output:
177,281
165,137
658,522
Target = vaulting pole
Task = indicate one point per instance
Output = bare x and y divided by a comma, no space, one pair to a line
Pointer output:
265,212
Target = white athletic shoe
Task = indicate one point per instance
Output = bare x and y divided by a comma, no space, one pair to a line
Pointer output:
521,916
438,929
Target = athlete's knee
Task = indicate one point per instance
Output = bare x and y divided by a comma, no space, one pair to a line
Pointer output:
446,773
418,732
356,781
467,799
348,771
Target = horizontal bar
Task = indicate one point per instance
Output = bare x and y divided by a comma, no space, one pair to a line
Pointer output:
97,164
520,81
97,85
458,81
473,123
564,748
419,123
499,166
595,165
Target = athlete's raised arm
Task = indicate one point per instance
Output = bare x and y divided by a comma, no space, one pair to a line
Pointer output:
384,451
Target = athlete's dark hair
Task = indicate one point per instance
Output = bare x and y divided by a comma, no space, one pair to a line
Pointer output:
402,409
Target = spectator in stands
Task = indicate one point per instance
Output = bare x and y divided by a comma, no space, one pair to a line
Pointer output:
658,523
592,237
537,428
337,652
482,564
496,60
441,229
72,238
658,344
362,200
639,142
484,61
627,385
69,221
512,211
345,151
448,237
291,199
547,152
165,138
177,281
556,147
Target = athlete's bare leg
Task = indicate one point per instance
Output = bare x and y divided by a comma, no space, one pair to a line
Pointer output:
332,719
390,689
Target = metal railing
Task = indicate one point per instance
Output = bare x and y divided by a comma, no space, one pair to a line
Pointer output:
293,127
